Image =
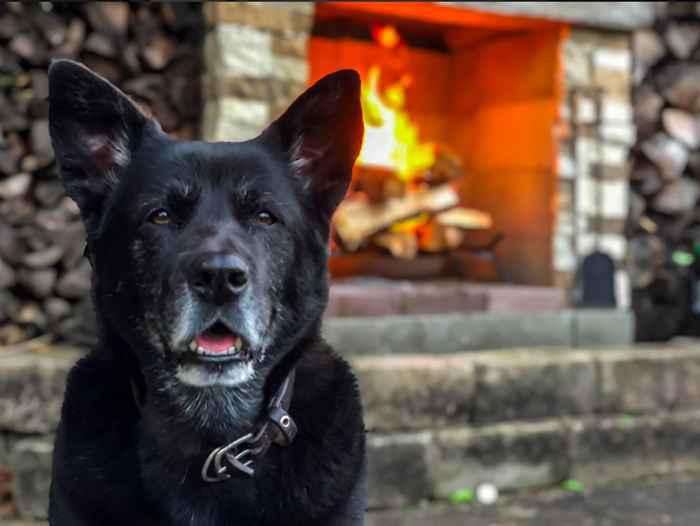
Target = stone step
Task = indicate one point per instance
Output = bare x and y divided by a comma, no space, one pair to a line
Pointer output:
408,392
362,297
406,469
404,392
457,332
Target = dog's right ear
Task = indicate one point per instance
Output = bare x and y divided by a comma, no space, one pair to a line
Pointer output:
94,130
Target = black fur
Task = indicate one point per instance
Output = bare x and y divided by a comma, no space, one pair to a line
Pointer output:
267,202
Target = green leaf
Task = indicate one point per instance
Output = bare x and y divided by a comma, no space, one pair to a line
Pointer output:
461,496
682,258
572,485
626,420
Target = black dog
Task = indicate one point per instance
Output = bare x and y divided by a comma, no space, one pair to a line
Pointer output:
211,398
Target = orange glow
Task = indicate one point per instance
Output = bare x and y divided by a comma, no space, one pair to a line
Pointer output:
391,138
386,36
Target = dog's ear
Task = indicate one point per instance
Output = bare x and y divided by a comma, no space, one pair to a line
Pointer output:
94,130
322,134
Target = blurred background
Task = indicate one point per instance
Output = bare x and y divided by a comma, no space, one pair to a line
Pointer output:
515,269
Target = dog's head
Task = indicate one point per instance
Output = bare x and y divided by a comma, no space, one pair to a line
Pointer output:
207,257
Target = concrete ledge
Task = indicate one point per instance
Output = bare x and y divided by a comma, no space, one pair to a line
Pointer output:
449,333
415,391
403,392
31,389
616,15
411,391
411,467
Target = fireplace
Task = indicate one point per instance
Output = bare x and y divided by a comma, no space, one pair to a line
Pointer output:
460,109
512,111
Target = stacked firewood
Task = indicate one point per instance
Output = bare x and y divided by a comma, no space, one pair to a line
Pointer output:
153,52
664,221
404,218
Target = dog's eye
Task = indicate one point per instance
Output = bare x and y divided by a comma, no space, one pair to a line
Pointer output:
266,218
159,217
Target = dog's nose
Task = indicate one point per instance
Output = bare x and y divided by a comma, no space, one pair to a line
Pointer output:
219,277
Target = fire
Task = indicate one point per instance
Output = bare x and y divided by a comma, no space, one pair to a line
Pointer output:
391,138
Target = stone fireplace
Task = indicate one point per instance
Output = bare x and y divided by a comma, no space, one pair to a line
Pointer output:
533,101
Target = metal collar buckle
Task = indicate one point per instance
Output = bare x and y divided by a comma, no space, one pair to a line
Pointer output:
279,428
236,459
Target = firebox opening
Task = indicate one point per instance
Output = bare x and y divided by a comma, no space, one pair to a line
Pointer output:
460,110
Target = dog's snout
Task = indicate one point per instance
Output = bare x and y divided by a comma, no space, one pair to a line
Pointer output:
219,277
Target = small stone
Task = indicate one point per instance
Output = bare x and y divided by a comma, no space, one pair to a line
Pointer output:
75,34
7,275
100,44
112,16
75,284
30,48
682,39
8,304
43,258
159,52
15,186
669,155
9,245
682,126
49,192
678,196
648,50
10,118
17,211
30,314
680,85
57,309
40,83
39,282
647,108
41,141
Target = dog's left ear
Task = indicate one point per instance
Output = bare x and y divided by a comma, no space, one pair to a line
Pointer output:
322,134
94,130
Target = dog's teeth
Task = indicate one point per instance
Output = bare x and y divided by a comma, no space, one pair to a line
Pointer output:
193,346
237,344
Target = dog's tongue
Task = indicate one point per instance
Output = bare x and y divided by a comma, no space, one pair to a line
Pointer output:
216,343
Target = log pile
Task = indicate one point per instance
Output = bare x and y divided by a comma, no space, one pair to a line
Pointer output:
153,52
664,217
404,218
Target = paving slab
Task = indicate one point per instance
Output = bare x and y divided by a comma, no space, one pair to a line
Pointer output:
672,502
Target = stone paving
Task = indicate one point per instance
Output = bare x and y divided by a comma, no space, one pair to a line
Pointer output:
641,503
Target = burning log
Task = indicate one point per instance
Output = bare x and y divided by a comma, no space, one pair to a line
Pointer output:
465,218
356,219
436,237
401,245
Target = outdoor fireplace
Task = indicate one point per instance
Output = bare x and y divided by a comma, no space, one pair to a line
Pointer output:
459,150
507,118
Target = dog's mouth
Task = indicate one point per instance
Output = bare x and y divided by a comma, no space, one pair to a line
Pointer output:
219,343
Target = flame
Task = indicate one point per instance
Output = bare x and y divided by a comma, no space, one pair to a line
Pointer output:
386,36
391,139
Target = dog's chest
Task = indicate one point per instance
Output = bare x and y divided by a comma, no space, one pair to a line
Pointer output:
267,498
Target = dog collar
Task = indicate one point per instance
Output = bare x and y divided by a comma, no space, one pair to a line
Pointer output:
278,428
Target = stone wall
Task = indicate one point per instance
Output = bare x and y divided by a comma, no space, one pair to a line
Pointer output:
594,142
255,59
